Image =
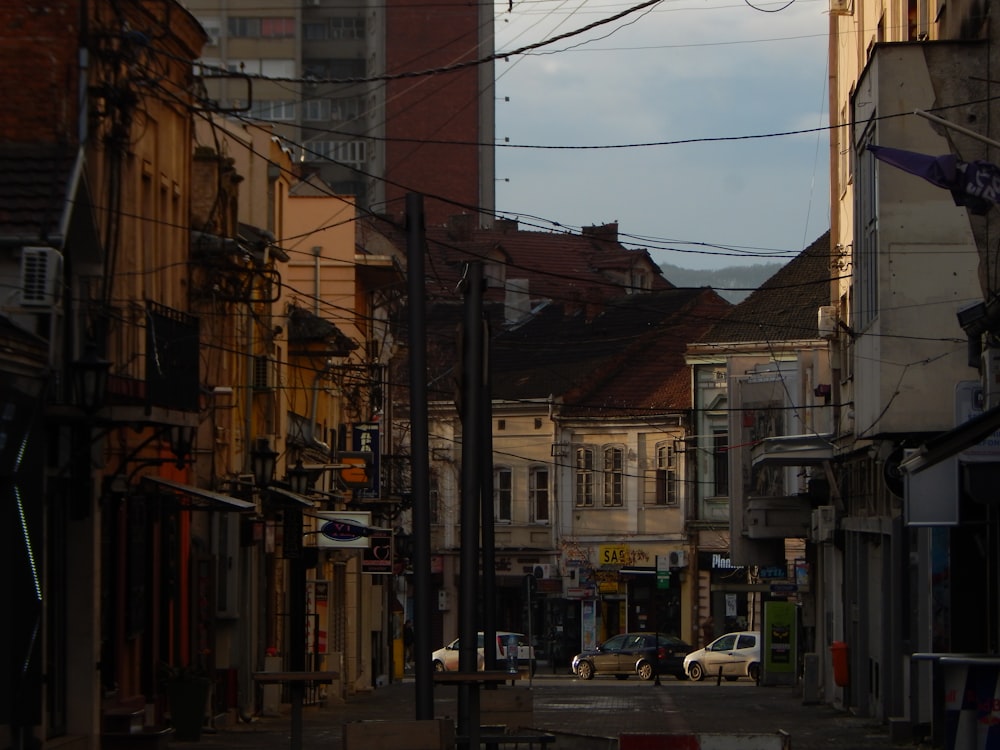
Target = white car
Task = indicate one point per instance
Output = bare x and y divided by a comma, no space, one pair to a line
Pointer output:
736,654
446,658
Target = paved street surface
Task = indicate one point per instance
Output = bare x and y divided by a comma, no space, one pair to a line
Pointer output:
586,715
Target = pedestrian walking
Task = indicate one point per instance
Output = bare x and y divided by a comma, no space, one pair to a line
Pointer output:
408,645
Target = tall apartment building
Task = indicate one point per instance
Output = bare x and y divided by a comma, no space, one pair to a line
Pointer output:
379,99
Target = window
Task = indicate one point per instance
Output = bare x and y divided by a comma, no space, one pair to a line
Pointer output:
213,27
584,477
347,27
336,68
315,31
273,110
345,152
720,463
434,497
243,26
316,109
614,477
277,28
666,475
503,493
538,494
345,108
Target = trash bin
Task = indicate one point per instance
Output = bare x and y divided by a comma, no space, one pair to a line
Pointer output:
838,650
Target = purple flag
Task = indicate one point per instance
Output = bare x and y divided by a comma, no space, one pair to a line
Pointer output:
975,185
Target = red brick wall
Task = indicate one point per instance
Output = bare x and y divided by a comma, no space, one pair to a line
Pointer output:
442,107
38,70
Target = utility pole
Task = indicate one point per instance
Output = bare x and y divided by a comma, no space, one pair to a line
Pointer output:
423,678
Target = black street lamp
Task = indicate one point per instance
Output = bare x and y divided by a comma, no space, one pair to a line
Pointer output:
89,380
298,478
181,437
262,461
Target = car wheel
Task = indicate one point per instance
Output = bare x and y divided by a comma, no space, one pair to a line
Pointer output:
695,671
621,676
585,670
644,670
438,666
754,672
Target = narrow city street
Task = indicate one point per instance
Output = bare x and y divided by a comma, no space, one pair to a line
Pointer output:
591,714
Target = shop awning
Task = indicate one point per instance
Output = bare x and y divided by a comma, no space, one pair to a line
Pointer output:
793,450
292,496
955,440
204,499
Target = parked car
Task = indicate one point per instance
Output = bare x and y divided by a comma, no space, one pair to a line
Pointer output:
629,654
736,654
446,658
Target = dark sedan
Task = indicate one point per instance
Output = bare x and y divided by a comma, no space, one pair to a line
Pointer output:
640,654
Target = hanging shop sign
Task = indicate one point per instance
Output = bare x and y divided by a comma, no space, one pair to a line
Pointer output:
343,530
377,559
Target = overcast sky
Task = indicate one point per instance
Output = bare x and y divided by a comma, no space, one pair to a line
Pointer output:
684,69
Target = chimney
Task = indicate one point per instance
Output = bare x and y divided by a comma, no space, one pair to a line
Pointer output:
461,226
517,301
607,232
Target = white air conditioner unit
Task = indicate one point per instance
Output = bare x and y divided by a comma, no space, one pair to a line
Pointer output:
41,269
824,523
827,322
545,571
841,7
677,558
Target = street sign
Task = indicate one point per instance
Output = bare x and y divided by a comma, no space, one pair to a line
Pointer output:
784,588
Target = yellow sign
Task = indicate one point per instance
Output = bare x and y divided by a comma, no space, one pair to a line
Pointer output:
617,554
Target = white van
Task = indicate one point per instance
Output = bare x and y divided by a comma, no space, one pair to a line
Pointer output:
446,658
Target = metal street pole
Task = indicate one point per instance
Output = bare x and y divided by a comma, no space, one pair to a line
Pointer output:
423,677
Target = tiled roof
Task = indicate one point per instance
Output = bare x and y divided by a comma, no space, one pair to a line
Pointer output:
784,307
34,184
575,269
627,360
585,342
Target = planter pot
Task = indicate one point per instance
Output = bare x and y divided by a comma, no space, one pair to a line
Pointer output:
187,700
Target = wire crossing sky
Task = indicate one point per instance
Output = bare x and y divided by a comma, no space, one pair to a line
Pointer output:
679,70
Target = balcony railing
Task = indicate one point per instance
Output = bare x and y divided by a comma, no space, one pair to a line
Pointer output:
159,369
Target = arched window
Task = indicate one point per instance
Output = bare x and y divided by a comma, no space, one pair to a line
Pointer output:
614,477
584,477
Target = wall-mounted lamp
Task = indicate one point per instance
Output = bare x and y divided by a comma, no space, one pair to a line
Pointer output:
181,437
89,380
262,462
298,478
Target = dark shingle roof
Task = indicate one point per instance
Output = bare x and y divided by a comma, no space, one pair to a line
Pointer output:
784,307
629,359
34,198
